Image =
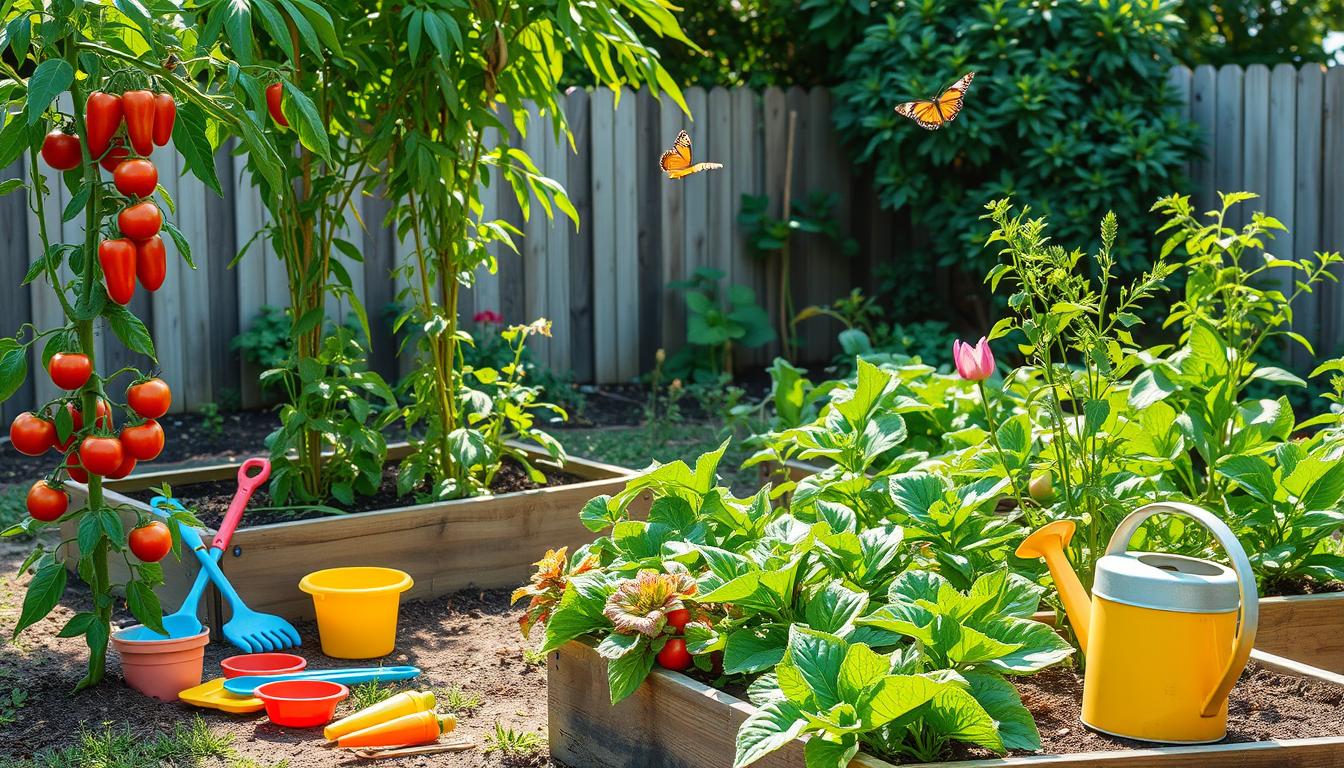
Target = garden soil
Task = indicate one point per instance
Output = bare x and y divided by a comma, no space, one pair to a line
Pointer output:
469,640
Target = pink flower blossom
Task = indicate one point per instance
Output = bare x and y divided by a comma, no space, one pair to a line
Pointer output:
973,363
489,316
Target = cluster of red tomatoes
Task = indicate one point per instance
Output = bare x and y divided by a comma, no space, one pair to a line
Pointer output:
100,450
148,120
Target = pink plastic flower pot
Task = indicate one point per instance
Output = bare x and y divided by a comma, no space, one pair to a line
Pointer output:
262,664
161,668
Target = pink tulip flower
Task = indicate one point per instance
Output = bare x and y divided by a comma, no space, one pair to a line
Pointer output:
973,363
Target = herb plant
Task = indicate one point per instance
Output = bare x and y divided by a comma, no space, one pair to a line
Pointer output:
717,323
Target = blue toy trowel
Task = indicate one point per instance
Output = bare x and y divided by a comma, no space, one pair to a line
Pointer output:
184,623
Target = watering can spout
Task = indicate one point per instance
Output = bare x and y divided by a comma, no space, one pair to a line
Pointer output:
1048,542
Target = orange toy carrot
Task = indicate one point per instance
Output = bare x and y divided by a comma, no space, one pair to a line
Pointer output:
417,728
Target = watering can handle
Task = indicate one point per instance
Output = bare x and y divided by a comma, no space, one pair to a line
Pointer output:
1250,603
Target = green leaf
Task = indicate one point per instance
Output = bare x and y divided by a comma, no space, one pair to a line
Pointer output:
1149,387
129,329
753,649
597,515
192,143
626,673
1035,646
955,714
144,605
819,753
90,531
77,625
999,699
579,611
1252,474
44,591
49,80
13,367
834,608
894,696
861,670
766,730
303,115
818,656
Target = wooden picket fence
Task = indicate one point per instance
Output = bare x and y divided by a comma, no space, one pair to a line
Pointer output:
1277,132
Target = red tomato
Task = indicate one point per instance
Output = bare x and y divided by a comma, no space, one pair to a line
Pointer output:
151,263
151,541
69,370
127,464
140,221
46,503
117,258
678,619
101,455
149,398
116,155
143,441
674,655
102,115
73,468
273,93
31,434
102,416
136,178
165,114
60,150
139,109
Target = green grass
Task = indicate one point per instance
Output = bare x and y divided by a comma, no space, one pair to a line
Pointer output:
13,507
636,447
190,744
511,744
457,700
368,694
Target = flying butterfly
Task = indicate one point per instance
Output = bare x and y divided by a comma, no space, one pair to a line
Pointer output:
932,114
676,162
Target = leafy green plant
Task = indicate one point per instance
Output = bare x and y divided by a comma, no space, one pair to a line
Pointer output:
868,335
1070,113
266,342
489,349
439,134
212,420
53,58
493,420
717,322
333,395
1258,32
459,701
947,686
513,744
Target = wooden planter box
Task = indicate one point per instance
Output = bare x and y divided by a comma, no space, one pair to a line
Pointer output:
488,542
673,721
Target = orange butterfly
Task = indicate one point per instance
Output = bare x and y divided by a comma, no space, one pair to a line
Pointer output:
676,162
932,114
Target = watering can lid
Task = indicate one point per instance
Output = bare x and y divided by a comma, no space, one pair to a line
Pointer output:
1167,582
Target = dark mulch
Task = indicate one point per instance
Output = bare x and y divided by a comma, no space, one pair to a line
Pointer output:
1301,585
211,500
1264,706
190,440
468,640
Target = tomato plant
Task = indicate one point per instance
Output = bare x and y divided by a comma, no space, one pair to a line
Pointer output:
674,655
123,76
151,541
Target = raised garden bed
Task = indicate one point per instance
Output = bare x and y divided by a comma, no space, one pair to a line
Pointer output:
675,721
488,542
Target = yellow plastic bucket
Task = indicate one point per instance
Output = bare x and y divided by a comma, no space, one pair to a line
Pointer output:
357,609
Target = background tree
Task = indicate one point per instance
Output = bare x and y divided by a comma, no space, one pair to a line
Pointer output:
1259,31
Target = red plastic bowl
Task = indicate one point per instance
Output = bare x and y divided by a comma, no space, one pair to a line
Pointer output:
262,664
301,703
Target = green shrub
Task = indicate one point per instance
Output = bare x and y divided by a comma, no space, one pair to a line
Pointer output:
1070,113
1258,31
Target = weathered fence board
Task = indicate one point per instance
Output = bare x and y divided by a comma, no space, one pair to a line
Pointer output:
1276,131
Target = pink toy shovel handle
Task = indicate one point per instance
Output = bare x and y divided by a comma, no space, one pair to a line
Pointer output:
247,485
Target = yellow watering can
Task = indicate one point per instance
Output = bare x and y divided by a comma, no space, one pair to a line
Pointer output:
1166,636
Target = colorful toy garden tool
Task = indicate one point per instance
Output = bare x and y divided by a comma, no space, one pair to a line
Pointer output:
346,676
1166,636
248,630
212,695
184,623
